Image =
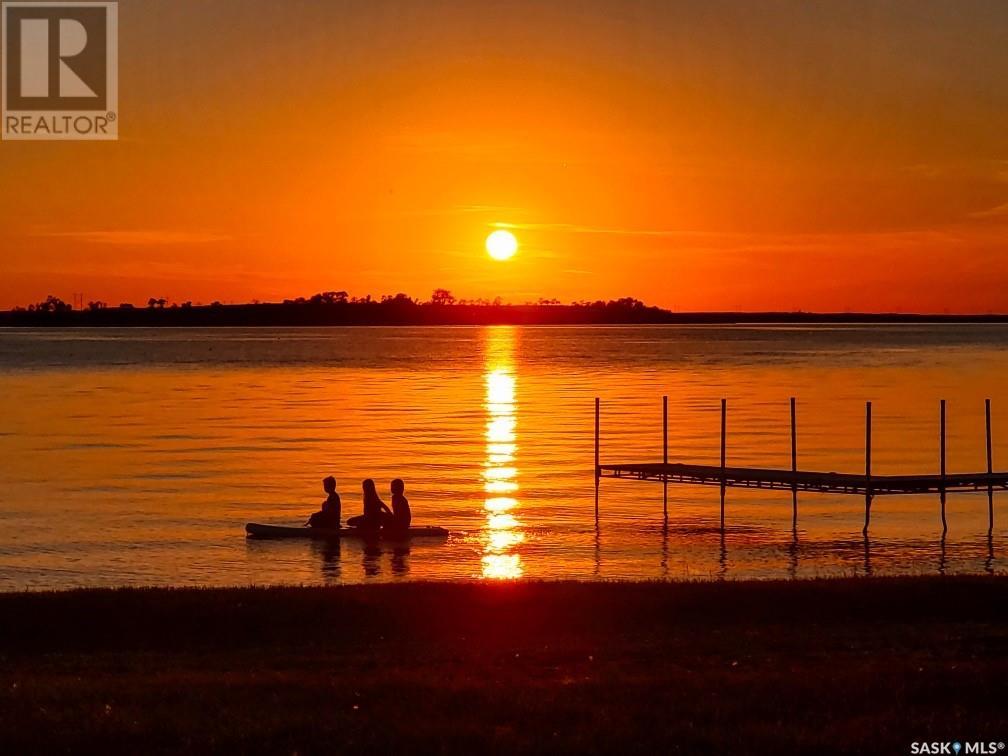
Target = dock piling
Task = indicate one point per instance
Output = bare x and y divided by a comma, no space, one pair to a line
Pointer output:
665,456
868,486
942,494
794,468
598,469
724,413
990,471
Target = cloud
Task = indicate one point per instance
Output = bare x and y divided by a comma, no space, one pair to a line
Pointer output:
999,211
140,237
487,209
574,228
1002,171
747,242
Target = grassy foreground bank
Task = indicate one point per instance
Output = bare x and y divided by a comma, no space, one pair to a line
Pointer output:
838,666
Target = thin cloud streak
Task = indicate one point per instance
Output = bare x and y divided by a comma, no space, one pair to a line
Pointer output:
574,228
751,239
1000,211
140,237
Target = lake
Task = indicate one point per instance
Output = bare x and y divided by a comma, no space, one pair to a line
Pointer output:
135,457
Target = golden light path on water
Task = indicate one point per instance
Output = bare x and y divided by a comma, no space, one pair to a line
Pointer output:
503,532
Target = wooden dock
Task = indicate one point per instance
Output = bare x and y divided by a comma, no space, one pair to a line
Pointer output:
794,480
816,482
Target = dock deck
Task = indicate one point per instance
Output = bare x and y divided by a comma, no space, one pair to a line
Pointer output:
794,480
819,482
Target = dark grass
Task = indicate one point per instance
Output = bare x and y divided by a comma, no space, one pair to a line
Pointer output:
833,666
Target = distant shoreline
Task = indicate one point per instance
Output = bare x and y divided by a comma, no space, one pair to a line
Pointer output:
397,313
864,665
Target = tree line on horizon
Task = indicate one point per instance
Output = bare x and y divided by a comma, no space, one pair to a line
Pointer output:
443,308
440,297
338,308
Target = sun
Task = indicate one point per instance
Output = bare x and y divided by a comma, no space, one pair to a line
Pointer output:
501,245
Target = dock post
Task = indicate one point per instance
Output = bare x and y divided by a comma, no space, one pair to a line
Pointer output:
942,485
597,470
868,486
665,457
724,413
990,470
794,469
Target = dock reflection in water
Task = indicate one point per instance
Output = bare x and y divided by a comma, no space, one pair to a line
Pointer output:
500,473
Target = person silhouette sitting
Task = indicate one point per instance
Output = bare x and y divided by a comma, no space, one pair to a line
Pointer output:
375,510
332,510
401,514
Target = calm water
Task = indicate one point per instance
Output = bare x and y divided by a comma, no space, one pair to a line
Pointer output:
136,456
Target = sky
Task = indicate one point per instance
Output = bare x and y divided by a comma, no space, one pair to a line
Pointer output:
823,156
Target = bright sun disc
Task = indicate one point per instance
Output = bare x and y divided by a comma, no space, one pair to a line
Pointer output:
501,245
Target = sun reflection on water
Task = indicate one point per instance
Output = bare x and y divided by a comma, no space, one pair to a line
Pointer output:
500,474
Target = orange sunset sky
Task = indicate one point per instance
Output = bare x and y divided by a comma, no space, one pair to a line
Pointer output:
697,155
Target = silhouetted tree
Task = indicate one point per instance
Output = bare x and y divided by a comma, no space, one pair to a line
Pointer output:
53,304
629,303
442,297
399,300
330,297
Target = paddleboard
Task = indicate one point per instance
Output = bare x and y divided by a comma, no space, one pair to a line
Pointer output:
256,530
